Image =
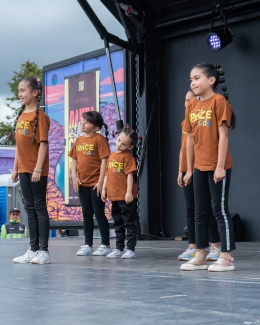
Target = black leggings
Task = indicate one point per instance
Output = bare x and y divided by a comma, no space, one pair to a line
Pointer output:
190,210
92,204
124,216
34,197
205,191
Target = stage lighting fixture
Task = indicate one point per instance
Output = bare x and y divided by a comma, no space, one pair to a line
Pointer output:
220,37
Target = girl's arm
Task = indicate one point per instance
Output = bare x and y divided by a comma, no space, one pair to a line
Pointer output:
104,190
15,168
190,158
36,176
74,175
179,178
100,182
129,192
220,173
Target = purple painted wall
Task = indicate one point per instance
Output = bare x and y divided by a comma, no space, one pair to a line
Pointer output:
6,159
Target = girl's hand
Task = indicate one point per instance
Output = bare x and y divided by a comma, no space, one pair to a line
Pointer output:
76,182
14,176
36,177
179,179
98,187
104,195
187,178
219,175
128,198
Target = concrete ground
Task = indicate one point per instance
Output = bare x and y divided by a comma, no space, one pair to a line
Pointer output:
150,289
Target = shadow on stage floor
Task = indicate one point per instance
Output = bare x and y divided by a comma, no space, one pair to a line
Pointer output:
148,290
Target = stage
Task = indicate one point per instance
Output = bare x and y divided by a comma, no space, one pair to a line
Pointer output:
148,290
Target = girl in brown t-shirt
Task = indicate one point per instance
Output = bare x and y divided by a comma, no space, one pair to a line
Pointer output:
189,253
31,166
119,187
89,159
207,122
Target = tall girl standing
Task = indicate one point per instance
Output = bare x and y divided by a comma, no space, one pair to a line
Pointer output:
31,166
188,191
89,159
207,122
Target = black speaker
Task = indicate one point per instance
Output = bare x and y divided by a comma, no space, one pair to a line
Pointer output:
238,226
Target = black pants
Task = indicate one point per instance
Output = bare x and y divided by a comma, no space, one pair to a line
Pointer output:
34,195
205,191
92,204
124,216
190,210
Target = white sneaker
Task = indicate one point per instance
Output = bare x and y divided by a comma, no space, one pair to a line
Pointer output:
26,258
102,251
128,254
85,250
41,257
116,253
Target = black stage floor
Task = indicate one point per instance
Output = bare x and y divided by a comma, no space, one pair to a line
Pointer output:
148,290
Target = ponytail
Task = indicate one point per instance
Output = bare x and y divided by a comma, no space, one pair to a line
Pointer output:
221,80
106,130
211,70
39,96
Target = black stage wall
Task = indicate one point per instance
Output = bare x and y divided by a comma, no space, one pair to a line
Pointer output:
240,61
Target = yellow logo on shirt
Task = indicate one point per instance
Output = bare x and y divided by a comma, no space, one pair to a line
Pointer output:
117,166
23,127
87,148
204,117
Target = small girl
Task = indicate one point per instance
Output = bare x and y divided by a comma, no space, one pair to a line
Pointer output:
207,122
190,205
119,187
31,164
89,159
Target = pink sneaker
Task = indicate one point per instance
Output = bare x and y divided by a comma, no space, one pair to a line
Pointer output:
198,262
224,263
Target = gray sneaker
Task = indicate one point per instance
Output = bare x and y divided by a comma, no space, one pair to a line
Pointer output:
116,253
128,254
85,250
41,257
102,251
26,258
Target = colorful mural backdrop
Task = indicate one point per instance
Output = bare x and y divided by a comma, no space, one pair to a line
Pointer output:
81,95
54,105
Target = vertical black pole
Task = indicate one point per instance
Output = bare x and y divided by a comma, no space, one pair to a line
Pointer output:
119,122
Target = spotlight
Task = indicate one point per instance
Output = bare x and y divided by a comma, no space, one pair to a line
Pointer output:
219,38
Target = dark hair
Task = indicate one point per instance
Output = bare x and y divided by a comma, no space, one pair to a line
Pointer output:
96,119
215,70
135,139
33,84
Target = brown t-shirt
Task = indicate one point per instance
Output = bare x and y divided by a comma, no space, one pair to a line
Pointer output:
88,151
119,165
202,119
183,160
27,152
